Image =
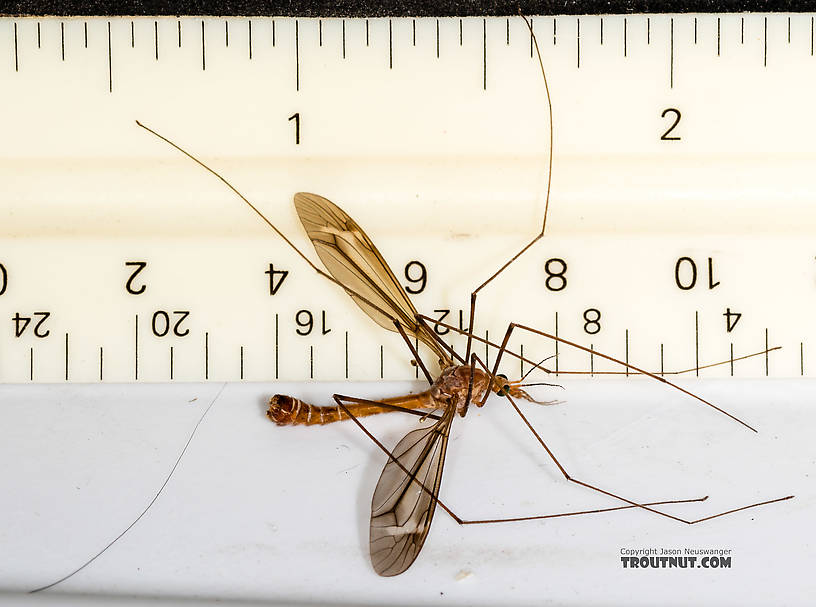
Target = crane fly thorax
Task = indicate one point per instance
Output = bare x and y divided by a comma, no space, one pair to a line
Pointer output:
452,385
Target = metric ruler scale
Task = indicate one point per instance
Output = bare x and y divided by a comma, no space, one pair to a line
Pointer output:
680,221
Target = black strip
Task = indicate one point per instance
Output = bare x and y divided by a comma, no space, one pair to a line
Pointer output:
110,61
392,8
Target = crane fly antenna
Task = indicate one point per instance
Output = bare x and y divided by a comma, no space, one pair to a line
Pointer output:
537,366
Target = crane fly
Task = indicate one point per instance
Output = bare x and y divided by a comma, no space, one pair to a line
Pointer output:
407,493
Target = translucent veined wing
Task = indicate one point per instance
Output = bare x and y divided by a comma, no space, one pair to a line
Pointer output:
401,510
351,257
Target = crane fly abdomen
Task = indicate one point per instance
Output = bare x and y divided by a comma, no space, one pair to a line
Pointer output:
451,387
289,411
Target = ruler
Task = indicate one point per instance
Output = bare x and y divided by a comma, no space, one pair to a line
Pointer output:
681,213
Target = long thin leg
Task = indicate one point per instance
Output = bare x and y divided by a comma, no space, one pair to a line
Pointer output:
365,401
425,319
503,349
414,352
623,499
513,326
594,488
546,201
339,399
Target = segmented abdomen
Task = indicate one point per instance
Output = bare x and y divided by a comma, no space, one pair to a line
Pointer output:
288,411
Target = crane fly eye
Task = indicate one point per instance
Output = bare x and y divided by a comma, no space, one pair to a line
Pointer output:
504,390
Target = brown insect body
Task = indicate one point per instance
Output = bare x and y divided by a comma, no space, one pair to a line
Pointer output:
450,389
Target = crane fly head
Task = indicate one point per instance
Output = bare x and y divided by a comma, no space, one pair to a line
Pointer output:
504,387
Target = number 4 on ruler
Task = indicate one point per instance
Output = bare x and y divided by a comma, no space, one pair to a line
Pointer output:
731,319
273,274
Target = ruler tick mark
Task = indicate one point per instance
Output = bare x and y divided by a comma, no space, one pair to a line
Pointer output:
487,349
226,33
788,30
136,350
742,30
297,55
110,61
766,353
801,358
367,33
203,54
521,360
578,41
413,31
507,32
591,360
437,38
601,31
624,35
273,32
811,36
171,364
86,34
671,53
661,360
382,363
648,30
695,30
718,36
765,44
16,62
179,33
277,349
460,32
347,355
697,343
416,365
132,36
311,362
66,357
31,364
206,355
101,363
532,31
626,350
484,54
320,32
38,35
242,362
249,31
156,38
556,344
62,40
344,38
555,40
390,46
732,359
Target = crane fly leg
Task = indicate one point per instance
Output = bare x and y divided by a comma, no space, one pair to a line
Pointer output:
572,479
423,318
513,326
379,403
632,503
341,400
414,351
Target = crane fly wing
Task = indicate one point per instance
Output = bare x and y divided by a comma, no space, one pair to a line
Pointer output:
351,257
401,509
